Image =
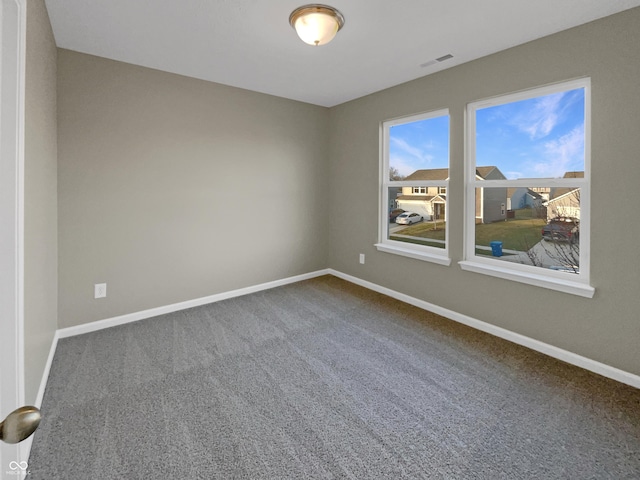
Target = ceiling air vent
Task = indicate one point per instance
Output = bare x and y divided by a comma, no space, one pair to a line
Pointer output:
437,60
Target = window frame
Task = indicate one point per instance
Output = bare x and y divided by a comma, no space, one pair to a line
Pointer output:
577,284
385,244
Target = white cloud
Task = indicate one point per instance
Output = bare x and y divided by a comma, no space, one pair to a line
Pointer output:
562,155
408,158
415,152
539,121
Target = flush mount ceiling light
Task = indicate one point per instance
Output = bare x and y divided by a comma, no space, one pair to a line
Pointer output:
316,24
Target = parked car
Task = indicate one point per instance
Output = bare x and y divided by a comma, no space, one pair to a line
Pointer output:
407,218
394,213
566,229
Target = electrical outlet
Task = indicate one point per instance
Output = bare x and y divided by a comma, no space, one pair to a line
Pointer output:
362,258
100,290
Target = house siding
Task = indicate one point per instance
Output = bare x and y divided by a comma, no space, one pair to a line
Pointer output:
567,205
494,204
419,206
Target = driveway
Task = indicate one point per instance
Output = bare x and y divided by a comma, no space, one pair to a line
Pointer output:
394,227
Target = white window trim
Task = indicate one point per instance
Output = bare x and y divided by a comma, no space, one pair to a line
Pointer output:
405,249
576,284
414,251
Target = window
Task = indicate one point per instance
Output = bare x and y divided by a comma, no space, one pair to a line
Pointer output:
414,173
529,152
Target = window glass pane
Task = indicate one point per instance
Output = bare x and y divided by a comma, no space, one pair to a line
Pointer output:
417,146
417,218
540,227
542,137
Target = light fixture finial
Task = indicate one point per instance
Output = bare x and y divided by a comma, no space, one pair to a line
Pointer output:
316,24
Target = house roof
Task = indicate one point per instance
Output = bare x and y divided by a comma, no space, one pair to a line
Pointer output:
562,191
429,174
483,172
535,195
443,173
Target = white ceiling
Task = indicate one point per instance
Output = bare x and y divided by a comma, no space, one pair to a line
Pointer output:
249,43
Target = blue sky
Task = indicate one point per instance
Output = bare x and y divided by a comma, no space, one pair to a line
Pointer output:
541,137
419,145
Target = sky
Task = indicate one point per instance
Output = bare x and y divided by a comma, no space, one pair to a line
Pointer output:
419,145
542,137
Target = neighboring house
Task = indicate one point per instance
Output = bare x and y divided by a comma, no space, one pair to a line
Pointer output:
543,192
565,202
491,204
394,192
425,201
523,197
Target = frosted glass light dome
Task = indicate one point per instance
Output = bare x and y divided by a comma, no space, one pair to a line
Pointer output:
316,24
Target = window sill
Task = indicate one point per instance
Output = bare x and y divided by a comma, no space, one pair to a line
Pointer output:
558,284
411,253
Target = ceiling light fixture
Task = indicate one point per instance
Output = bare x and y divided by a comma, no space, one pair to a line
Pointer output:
316,24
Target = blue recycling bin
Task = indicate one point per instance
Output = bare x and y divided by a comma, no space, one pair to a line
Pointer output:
496,248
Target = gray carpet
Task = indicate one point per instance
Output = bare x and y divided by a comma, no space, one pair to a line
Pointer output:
324,379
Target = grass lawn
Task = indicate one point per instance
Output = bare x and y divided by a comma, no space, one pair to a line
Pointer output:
519,233
426,230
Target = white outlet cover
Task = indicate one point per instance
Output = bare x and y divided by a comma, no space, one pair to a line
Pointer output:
100,290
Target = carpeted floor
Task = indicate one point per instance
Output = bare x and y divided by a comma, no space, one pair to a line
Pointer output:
324,379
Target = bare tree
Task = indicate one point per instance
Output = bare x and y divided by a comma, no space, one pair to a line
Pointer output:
394,174
563,253
567,254
533,256
540,210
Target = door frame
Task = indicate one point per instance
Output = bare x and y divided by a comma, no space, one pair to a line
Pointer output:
12,95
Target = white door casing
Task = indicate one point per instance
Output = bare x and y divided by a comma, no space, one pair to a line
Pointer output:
12,81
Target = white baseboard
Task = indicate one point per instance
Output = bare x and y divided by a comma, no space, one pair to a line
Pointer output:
25,446
154,312
47,369
555,352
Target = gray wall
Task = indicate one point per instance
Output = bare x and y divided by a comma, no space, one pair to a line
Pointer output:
40,197
172,188
605,328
